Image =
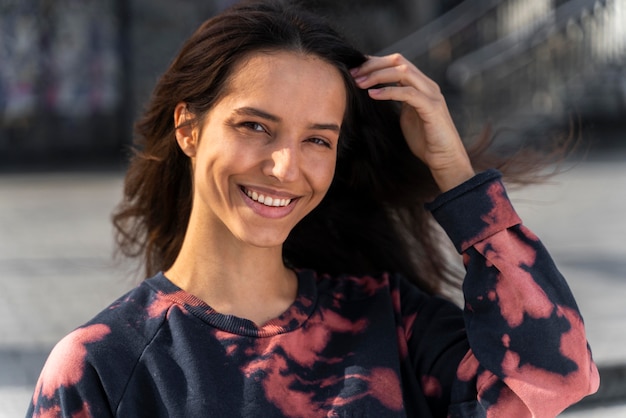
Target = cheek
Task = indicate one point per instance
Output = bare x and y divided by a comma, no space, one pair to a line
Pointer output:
212,172
218,162
324,174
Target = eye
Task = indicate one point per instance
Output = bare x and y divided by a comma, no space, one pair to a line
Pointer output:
254,126
320,141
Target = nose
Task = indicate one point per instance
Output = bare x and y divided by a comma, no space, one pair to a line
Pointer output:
284,164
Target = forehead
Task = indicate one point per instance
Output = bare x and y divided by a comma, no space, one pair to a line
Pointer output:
286,75
260,64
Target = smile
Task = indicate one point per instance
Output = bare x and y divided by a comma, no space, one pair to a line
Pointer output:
266,200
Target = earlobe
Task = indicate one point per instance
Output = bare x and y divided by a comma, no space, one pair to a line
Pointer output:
184,130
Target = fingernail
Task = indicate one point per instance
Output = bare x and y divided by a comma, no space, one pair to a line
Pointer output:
374,91
360,79
354,71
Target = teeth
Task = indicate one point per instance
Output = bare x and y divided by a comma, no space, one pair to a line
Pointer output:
267,200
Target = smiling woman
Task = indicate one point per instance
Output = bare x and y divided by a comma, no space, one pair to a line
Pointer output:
273,135
283,198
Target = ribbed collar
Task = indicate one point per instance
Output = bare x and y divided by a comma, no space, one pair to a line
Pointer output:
294,317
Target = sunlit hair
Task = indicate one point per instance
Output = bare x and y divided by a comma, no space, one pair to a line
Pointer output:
373,217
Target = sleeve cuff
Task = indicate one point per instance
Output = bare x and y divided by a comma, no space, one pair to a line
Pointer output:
474,210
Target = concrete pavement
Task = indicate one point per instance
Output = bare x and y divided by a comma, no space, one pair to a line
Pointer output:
57,271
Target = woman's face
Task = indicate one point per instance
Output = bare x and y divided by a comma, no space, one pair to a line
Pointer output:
265,154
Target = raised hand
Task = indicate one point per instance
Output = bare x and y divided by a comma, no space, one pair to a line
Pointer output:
425,119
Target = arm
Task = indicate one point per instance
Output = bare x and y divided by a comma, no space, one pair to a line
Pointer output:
528,351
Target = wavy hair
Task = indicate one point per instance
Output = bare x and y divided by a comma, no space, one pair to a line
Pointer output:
372,218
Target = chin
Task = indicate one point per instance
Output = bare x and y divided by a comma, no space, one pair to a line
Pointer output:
269,240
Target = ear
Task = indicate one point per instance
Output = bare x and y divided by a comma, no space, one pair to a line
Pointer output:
186,133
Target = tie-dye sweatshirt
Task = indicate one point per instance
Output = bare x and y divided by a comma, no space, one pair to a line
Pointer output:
372,346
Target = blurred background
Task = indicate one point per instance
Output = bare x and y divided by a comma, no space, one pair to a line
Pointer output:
74,75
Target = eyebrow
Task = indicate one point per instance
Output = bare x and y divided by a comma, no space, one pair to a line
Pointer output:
251,111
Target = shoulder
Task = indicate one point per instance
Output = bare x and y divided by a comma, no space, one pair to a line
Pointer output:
134,313
404,295
67,363
108,346
138,312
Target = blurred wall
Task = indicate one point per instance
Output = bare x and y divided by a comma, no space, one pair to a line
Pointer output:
61,78
74,74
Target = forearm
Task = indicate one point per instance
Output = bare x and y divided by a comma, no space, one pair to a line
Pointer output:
522,322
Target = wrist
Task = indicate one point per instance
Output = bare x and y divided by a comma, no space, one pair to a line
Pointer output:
449,178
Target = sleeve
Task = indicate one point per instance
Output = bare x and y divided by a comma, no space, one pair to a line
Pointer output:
528,354
69,385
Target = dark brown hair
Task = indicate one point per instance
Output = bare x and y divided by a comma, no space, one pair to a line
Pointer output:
373,217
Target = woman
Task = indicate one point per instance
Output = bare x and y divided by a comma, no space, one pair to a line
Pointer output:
278,203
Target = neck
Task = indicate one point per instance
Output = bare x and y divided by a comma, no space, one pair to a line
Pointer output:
233,277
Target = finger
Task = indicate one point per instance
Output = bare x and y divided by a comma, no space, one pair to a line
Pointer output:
393,69
402,75
426,106
374,63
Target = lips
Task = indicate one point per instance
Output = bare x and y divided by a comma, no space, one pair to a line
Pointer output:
268,199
